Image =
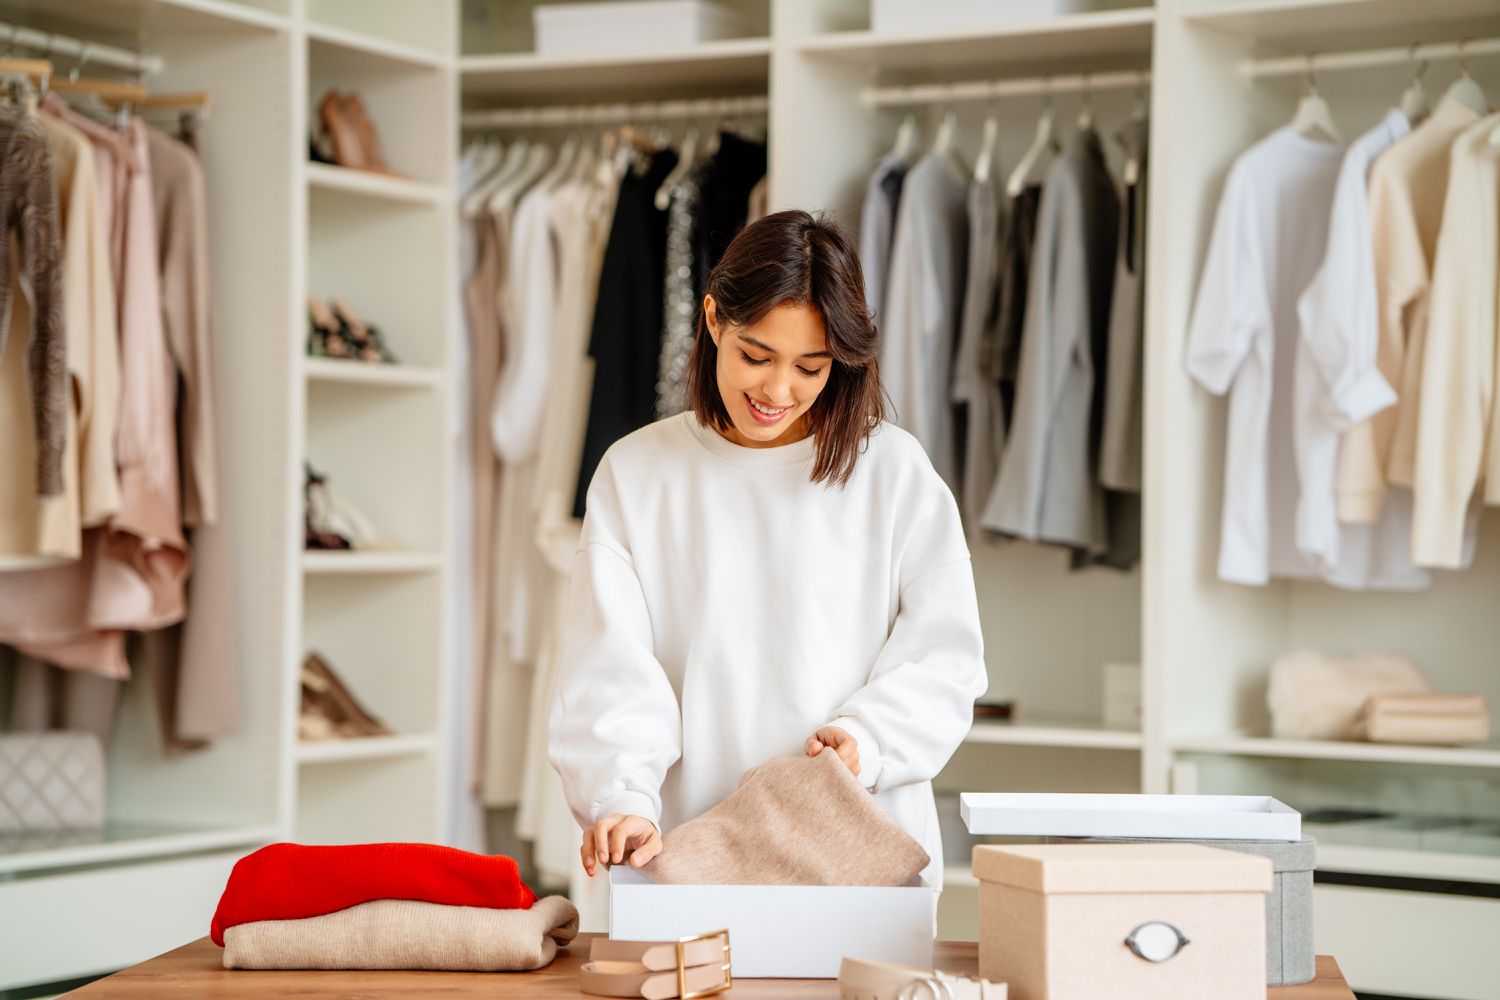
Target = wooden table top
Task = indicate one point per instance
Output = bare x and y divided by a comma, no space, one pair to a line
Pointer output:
196,970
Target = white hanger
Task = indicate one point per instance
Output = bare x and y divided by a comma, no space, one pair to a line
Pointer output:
685,157
1042,145
908,139
988,140
942,144
1466,90
515,156
1314,119
1086,113
1414,97
561,166
537,158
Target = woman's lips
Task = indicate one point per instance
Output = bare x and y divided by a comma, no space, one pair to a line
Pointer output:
763,418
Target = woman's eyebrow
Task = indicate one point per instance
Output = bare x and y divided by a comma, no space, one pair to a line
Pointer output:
771,350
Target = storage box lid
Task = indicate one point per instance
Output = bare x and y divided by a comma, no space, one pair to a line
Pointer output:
1120,868
1296,856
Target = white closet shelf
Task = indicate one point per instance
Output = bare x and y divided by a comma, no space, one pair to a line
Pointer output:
335,561
374,47
1483,755
1303,25
346,372
733,65
119,842
1100,33
152,18
366,748
1400,863
1053,732
327,177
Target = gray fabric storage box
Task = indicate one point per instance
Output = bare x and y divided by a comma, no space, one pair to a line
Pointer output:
1289,905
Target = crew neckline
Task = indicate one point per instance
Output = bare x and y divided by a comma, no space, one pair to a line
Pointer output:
796,453
1311,145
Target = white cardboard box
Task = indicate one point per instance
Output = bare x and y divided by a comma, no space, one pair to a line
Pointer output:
1154,817
952,15
780,931
572,29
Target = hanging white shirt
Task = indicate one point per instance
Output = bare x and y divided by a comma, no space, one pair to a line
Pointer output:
1268,240
724,607
1338,384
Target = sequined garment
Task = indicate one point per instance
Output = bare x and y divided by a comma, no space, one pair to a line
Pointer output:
680,303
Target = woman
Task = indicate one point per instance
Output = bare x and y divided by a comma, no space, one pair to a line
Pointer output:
776,569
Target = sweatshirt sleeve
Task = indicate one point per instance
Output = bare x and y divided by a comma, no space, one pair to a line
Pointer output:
918,704
615,725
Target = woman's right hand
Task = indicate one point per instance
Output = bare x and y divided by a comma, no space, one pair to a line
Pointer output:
613,837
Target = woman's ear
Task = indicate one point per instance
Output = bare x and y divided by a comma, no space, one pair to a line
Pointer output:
711,318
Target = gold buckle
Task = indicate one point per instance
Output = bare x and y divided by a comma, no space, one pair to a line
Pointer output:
682,943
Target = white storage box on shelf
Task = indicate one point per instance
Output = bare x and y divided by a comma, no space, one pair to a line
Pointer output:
948,15
1127,921
780,931
624,26
1149,817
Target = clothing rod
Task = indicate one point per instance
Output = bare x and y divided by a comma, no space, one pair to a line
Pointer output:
1405,54
601,114
65,45
982,90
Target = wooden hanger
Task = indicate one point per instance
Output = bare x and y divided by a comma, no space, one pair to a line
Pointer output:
115,91
195,100
36,68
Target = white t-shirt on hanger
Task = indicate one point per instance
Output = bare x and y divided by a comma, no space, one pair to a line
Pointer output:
1268,240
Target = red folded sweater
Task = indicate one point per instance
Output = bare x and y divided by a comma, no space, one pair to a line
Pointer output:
290,881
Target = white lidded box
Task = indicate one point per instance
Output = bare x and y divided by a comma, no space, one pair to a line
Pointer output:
1127,921
620,26
1149,817
780,931
948,15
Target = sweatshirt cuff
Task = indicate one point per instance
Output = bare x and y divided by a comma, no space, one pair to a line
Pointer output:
1365,397
1437,531
1360,506
868,746
630,803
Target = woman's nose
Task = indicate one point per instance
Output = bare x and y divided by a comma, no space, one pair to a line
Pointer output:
778,388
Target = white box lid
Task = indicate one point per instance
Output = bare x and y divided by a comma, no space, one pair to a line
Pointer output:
1154,817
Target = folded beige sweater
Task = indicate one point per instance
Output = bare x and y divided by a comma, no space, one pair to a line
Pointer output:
407,934
794,820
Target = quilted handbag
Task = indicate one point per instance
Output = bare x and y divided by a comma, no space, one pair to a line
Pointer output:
50,781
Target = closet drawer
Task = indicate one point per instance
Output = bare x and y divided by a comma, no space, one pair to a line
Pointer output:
85,923
1410,943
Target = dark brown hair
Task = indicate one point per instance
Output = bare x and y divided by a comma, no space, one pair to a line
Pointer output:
798,258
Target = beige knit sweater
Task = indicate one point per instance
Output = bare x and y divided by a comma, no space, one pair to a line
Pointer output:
407,934
794,820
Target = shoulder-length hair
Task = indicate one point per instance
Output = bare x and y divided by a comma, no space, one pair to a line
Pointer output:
800,259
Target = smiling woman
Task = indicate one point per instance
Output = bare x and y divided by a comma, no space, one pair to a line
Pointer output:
775,571
800,358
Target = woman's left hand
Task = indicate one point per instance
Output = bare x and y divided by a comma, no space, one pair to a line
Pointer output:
846,746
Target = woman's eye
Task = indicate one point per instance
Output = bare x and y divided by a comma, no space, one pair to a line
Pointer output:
810,372
754,361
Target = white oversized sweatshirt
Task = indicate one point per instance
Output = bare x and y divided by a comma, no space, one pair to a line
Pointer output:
723,607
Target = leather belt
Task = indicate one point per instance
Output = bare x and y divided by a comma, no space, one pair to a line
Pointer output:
862,979
689,967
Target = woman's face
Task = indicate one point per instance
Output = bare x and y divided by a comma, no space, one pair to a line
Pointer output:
770,372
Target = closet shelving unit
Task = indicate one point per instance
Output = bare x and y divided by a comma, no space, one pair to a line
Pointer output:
282,227
384,243
1205,646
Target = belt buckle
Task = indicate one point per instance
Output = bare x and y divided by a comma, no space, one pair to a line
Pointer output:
682,943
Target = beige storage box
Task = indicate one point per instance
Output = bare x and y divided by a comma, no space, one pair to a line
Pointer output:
1153,921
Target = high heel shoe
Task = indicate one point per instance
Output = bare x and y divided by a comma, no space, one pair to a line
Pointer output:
341,132
326,337
369,140
365,337
329,710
